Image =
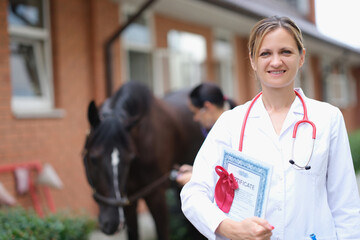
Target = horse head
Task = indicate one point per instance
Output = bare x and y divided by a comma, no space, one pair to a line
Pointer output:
108,153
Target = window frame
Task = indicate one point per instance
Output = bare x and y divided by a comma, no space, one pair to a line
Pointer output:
227,66
147,48
339,81
305,79
40,39
184,69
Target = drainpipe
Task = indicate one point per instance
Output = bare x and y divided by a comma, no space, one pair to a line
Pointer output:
110,41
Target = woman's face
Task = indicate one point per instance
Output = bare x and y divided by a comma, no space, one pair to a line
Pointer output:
203,115
278,60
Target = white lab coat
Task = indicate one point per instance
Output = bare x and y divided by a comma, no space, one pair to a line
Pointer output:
323,200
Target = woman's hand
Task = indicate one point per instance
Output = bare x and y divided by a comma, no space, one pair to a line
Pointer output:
253,228
184,174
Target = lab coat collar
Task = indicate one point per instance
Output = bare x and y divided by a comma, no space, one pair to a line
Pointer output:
258,108
296,113
297,106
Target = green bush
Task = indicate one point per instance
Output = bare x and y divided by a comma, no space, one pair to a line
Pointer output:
180,227
354,139
18,223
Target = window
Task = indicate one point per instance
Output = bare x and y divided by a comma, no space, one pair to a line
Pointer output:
137,45
187,59
163,70
340,86
223,56
30,65
181,65
305,80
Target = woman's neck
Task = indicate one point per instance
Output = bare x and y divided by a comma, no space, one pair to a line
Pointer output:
278,100
277,103
218,113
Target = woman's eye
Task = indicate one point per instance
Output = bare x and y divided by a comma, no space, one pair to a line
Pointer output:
286,52
264,54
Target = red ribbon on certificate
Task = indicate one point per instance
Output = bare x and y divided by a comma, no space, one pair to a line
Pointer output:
225,189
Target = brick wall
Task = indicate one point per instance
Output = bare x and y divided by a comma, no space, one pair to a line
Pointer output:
6,137
78,29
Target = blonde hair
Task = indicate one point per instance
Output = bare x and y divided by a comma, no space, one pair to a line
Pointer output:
267,25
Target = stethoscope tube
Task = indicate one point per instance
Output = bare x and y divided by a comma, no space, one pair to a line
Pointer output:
245,120
304,120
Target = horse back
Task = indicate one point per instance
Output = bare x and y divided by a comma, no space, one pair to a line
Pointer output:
190,133
168,134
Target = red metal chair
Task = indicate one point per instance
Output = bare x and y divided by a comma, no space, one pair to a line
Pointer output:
33,188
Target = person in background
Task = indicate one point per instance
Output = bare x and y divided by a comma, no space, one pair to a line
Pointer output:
207,102
315,192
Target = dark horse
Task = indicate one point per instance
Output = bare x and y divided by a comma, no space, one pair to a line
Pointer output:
134,141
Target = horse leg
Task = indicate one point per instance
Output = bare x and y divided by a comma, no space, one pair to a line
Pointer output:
156,203
132,222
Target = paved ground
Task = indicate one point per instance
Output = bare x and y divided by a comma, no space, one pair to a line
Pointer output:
147,231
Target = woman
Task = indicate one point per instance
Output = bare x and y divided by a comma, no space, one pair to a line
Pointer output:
207,102
322,200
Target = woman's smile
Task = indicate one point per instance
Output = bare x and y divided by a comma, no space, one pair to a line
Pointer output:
277,72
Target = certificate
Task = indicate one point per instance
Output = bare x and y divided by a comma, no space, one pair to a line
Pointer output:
253,178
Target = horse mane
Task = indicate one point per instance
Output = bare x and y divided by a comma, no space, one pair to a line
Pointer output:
132,100
107,135
119,113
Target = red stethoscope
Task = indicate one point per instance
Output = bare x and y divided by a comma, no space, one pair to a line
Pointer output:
304,120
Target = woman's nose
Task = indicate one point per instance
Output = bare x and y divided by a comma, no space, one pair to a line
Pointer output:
276,60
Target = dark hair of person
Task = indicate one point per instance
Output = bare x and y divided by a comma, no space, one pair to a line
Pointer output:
209,92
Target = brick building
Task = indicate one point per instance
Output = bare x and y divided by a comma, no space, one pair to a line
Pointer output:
52,63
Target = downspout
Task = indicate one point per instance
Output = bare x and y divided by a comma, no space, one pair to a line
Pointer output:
110,41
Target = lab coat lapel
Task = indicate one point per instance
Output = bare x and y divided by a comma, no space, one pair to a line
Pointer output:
262,119
295,114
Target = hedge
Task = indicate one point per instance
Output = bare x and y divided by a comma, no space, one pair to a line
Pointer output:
18,223
354,139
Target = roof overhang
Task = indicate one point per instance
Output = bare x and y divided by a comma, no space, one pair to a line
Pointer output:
239,16
315,41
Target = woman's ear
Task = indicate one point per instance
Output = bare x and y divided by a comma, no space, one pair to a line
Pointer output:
252,62
208,105
302,57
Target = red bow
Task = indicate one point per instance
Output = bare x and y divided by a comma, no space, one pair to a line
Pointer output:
225,189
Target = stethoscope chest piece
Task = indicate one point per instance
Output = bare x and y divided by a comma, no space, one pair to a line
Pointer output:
305,120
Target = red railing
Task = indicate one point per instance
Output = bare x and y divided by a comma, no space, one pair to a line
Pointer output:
32,166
